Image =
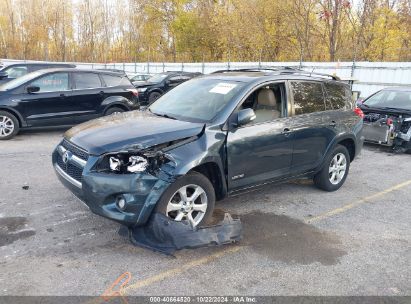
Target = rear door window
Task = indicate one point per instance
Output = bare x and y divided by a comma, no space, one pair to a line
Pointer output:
308,97
337,95
111,80
86,81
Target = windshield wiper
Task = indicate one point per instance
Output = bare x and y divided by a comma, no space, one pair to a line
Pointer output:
162,115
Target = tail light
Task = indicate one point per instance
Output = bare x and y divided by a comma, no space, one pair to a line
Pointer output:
134,91
359,112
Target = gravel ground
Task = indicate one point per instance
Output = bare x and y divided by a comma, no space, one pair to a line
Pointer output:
298,240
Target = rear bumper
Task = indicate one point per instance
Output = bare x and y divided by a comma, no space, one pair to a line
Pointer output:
101,191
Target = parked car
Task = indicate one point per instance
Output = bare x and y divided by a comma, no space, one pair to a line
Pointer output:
139,78
55,97
17,70
211,137
387,118
159,84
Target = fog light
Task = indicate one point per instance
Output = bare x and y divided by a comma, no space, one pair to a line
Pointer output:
121,203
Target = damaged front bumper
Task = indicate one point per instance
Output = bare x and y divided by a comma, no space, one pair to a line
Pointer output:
388,129
102,192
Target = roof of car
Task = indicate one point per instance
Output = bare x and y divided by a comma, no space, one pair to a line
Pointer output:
250,75
39,63
80,70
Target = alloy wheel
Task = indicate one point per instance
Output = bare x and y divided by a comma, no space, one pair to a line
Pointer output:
337,169
6,126
188,203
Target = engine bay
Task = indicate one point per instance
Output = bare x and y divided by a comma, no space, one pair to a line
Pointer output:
389,129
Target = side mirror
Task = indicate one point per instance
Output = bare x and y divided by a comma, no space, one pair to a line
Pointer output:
359,101
32,89
3,75
245,116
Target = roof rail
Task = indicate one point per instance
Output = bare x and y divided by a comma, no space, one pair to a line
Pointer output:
280,70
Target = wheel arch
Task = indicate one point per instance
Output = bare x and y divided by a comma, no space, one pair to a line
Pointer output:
215,175
115,101
15,113
349,143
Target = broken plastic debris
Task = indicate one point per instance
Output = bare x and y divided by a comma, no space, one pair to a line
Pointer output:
164,235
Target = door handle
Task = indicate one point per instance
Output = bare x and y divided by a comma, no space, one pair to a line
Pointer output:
333,124
62,95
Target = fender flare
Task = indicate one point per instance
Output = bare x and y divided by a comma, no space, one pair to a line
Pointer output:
332,145
114,101
213,160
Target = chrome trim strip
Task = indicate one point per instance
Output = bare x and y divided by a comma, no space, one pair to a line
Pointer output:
67,177
79,161
74,158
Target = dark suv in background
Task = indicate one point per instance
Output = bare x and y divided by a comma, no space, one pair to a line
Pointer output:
17,70
159,84
56,97
212,136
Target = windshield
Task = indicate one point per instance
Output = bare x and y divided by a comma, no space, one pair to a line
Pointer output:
197,99
139,78
19,81
157,78
390,99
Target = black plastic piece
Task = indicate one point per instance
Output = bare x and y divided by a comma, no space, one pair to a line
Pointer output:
164,235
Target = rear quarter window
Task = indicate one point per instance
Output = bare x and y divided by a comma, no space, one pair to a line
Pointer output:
113,81
308,97
337,95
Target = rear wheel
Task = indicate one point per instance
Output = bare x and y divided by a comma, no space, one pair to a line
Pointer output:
154,96
9,125
114,110
191,198
336,167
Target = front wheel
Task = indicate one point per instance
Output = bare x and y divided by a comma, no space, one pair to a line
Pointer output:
191,198
154,96
9,125
336,167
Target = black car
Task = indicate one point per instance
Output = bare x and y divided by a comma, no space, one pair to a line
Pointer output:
213,136
17,70
159,84
387,118
62,97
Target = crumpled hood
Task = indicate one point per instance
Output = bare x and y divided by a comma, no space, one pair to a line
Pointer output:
121,131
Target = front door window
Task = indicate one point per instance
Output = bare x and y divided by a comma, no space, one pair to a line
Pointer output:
52,82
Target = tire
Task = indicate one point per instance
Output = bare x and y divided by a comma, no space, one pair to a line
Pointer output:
333,180
172,205
113,110
154,96
9,125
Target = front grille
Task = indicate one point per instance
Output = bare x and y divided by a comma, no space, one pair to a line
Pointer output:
71,169
74,149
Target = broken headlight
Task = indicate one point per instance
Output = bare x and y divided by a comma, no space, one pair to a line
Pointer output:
127,163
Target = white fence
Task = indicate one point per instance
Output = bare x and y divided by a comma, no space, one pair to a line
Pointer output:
369,76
